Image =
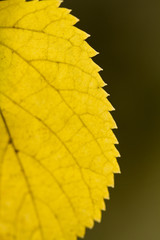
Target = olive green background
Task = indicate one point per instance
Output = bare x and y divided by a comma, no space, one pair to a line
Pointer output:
127,35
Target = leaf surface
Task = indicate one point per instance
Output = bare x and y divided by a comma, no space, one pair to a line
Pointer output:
57,153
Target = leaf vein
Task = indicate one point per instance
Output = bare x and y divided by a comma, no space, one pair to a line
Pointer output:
23,171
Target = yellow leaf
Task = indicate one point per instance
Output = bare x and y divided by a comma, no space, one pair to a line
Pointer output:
57,153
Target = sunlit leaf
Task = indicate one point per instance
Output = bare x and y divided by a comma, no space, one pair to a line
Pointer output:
57,153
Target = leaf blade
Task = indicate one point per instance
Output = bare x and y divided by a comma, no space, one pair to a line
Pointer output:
56,105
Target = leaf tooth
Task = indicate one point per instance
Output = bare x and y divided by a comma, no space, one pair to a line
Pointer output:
116,168
106,194
98,215
73,19
90,223
110,179
103,205
91,51
81,231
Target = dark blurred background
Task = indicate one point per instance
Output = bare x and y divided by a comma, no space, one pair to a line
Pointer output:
127,35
